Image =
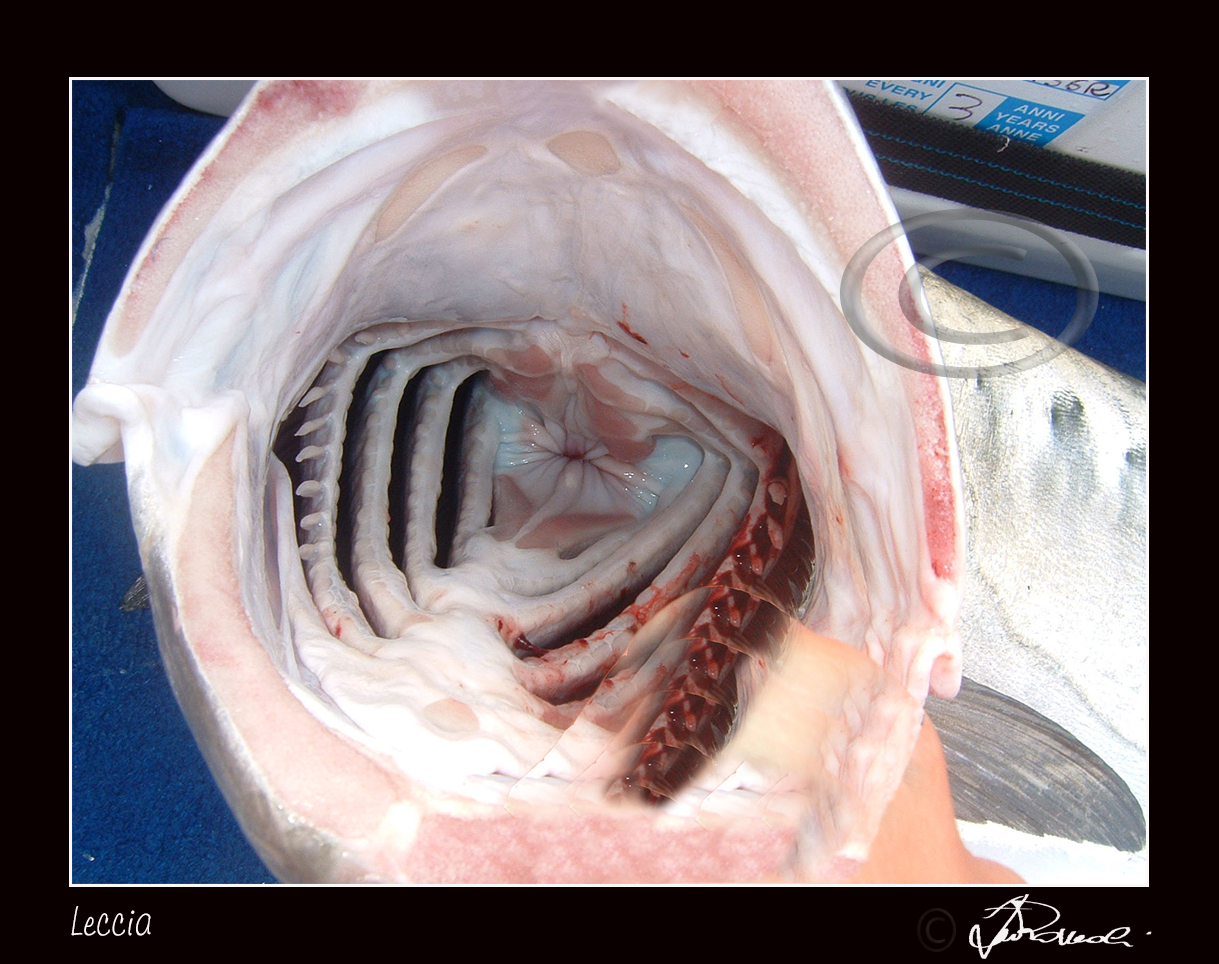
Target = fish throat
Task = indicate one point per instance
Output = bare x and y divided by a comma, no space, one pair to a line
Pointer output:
629,543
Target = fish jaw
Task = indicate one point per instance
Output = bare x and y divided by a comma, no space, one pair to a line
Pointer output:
197,447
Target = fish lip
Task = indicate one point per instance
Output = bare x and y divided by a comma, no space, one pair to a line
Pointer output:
92,446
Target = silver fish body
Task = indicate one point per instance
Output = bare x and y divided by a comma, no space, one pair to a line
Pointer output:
857,607
1055,606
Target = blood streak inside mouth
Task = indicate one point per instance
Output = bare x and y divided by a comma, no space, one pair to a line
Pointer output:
551,492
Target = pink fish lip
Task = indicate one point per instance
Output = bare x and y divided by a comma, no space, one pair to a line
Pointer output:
214,647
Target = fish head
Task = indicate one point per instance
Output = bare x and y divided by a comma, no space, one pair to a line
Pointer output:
633,276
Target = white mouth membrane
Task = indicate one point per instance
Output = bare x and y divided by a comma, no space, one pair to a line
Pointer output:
538,435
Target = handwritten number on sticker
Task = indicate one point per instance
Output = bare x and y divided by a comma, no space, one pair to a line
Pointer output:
1100,89
966,110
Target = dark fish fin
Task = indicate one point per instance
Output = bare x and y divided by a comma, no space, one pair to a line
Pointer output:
136,597
1010,765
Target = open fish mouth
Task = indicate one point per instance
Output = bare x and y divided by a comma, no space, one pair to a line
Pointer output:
484,442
